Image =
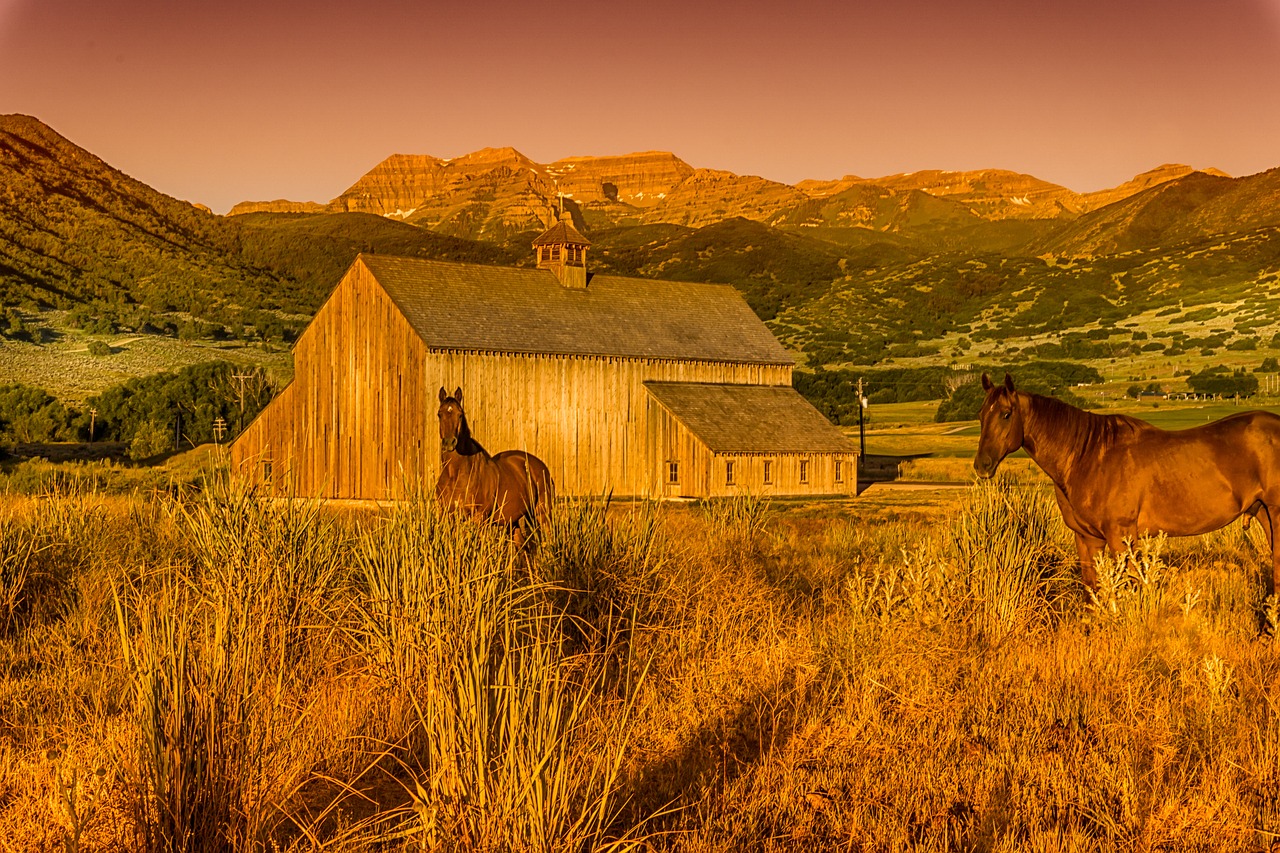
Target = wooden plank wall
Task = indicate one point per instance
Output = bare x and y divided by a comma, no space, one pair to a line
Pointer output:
354,421
586,418
702,472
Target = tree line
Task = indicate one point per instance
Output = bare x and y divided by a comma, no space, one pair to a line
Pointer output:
835,392
151,414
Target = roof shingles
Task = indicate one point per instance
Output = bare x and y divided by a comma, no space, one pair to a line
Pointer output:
750,418
508,309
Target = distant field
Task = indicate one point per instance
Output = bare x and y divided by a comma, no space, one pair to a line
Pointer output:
64,367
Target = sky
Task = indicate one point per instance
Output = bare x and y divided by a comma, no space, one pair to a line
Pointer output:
234,100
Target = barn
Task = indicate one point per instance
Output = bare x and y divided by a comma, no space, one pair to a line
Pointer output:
621,385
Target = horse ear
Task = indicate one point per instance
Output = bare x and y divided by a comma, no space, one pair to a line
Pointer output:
443,395
457,395
986,382
1008,382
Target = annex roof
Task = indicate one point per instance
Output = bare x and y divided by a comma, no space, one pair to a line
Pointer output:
750,418
509,309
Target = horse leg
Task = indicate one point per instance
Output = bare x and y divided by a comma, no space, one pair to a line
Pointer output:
1086,546
1089,548
1270,515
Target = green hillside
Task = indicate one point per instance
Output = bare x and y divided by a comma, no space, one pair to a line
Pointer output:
75,231
94,264
1201,296
312,251
772,268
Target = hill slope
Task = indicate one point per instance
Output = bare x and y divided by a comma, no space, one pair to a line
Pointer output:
915,267
74,230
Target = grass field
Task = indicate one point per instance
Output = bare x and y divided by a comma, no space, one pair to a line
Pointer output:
64,367
908,670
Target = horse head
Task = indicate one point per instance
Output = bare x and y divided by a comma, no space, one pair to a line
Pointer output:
1001,422
453,422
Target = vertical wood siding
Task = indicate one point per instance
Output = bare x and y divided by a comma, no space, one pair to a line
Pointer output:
358,420
353,421
702,473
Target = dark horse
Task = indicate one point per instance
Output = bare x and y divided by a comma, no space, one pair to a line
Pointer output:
1117,477
512,488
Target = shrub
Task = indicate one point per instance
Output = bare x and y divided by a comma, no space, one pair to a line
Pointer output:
1222,380
149,440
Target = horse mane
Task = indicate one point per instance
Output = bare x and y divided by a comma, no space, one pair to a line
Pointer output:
467,443
1064,420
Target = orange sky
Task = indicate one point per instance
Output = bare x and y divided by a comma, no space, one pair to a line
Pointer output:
224,101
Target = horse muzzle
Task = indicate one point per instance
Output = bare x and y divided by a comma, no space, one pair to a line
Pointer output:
984,467
448,445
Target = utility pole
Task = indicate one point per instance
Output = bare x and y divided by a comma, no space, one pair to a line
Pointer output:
241,377
219,429
93,419
862,432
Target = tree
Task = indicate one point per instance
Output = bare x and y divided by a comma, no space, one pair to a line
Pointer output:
34,415
1220,380
1051,378
150,439
200,394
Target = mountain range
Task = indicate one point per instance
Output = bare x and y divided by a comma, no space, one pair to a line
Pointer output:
845,270
496,193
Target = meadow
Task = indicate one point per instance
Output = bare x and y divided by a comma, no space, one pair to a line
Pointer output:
198,668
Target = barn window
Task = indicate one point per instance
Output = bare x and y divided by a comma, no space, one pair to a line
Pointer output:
673,473
804,470
728,473
839,471
768,472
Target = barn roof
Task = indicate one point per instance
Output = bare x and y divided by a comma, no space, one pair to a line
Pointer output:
750,418
509,309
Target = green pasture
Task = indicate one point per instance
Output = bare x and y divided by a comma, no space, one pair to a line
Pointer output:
942,452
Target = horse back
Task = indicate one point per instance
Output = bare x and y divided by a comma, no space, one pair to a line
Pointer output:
526,474
1253,435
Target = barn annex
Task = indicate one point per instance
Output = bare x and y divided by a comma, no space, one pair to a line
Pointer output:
631,386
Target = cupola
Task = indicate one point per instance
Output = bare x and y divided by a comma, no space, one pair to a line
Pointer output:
563,250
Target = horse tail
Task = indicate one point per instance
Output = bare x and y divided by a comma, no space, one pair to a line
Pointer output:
544,493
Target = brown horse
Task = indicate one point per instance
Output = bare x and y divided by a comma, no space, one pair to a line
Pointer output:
1117,477
512,488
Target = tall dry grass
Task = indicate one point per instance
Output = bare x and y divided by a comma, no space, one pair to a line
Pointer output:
217,670
508,747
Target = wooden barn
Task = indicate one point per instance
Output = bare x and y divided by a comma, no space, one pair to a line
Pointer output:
632,386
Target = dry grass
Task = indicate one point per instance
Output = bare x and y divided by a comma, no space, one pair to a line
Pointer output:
222,672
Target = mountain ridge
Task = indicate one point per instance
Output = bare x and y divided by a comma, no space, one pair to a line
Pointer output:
493,193
850,271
